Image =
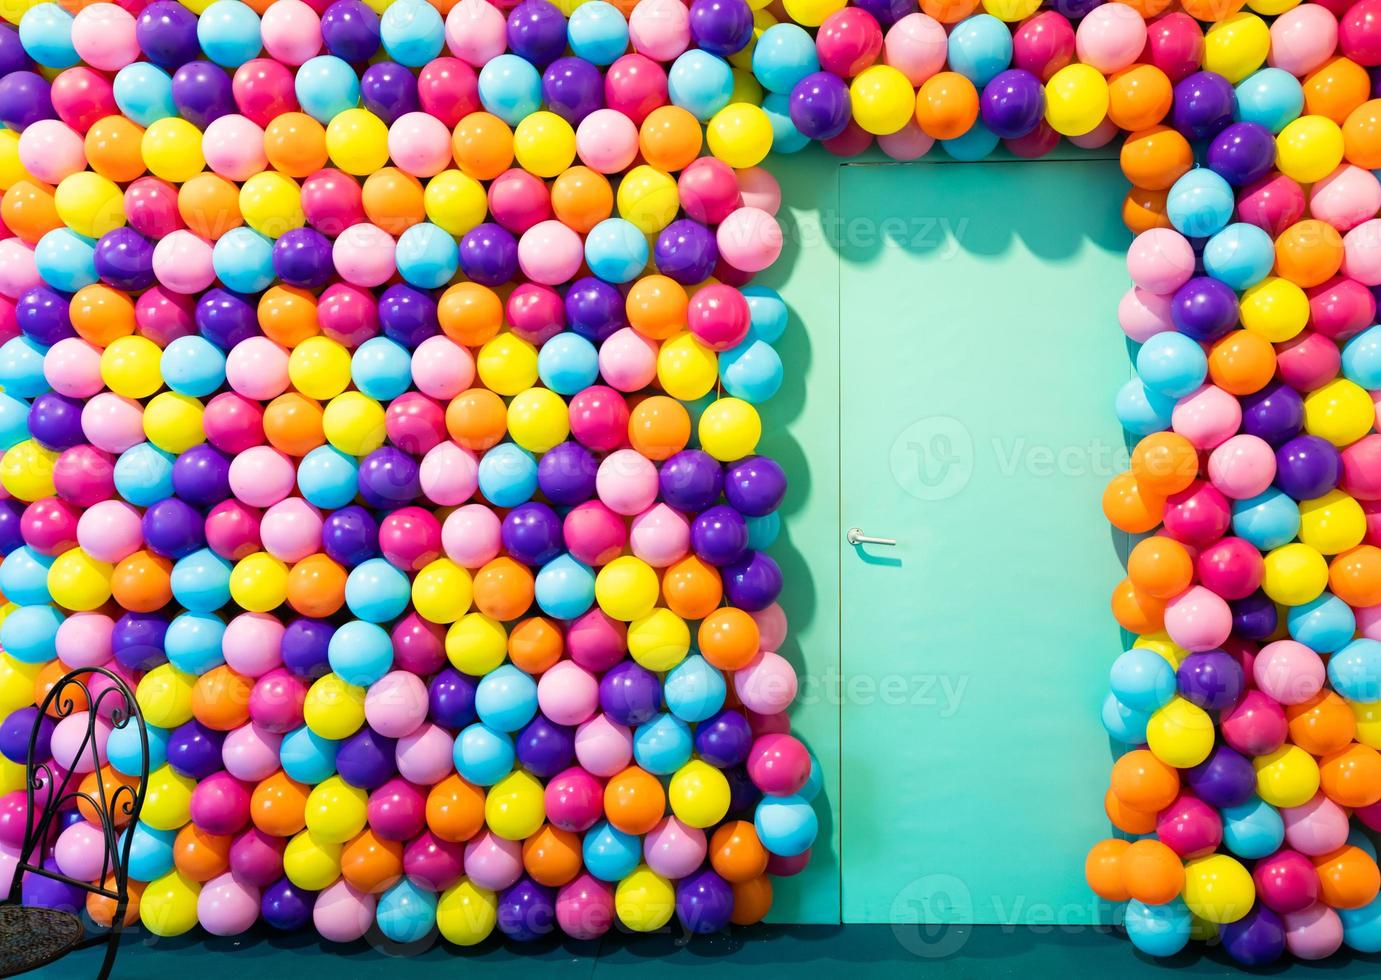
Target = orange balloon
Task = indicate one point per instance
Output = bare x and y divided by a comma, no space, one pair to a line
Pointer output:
1144,209
101,315
729,638
1143,782
1242,363
692,588
1309,252
1137,611
393,200
1160,567
1348,878
1148,8
656,307
1152,873
752,900
295,144
278,805
1351,777
106,787
220,699
535,644
1139,97
142,582
209,205
287,314
371,864
1130,508
477,419
47,678
736,853
581,198
1125,818
659,427
946,105
1362,135
470,314
503,589
1212,11
199,855
552,856
292,424
455,809
634,800
1335,89
29,211
102,909
1165,463
1155,157
670,138
483,145
112,148
1322,725
316,586
948,11
1103,869
1355,576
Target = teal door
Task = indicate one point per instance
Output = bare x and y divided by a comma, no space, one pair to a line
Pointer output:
979,356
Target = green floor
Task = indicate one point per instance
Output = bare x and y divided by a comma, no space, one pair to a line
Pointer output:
810,951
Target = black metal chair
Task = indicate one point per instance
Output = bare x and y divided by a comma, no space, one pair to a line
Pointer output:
31,937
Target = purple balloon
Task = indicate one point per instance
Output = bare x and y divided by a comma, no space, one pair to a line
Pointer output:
527,910
724,739
594,309
286,907
55,421
1242,153
743,795
820,107
566,474
350,30
408,315
545,748
38,891
572,88
1255,617
704,902
137,640
173,528
1256,939
306,643
755,486
350,535
719,535
1275,413
1204,308
389,478
887,12
1211,679
201,476
16,729
25,98
10,535
691,480
366,759
1076,10
721,27
124,258
1308,467
531,534
389,90
451,697
195,750
302,257
537,32
13,57
686,251
629,693
1226,778
167,34
42,314
1203,105
1013,103
489,254
754,582
202,93
226,318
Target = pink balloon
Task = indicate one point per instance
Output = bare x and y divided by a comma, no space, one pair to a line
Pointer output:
396,704
234,147
70,747
50,150
1207,417
492,862
182,262
585,907
627,482
80,851
908,143
917,46
363,255
18,270
441,368
674,849
660,536
1315,933
1110,37
607,140
772,626
574,800
628,360
424,755
476,32
1197,619
602,746
567,693
759,189
1302,39
73,367
103,36
251,753
1346,197
449,475
1362,253
1242,466
1289,671
257,368
291,530
660,29
291,31
550,253
749,239
261,476
419,144
767,684
342,914
470,535
1160,260
1142,314
83,639
1316,827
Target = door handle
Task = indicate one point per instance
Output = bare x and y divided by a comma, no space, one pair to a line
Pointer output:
856,536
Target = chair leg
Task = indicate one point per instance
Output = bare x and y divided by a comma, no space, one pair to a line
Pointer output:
117,925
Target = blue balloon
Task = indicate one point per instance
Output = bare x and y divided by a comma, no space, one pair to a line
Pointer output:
29,634
377,591
662,744
1324,624
1124,724
1142,679
506,698
406,912
326,86
144,474
45,30
427,257
763,531
381,368
21,369
1271,97
1200,203
144,93
693,689
243,260
1158,930
1362,358
1266,521
193,642
786,138
597,32
976,144
1362,927
568,363
66,260
228,32
1240,255
14,421
360,652
507,475
1253,829
616,251
767,313
150,850
979,48
784,54
201,581
412,33
24,577
815,781
510,87
609,853
193,366
307,757
786,825
482,755
1171,364
1142,411
564,587
327,478
124,748
700,83
1355,671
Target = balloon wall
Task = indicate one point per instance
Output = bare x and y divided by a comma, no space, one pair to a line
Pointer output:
379,399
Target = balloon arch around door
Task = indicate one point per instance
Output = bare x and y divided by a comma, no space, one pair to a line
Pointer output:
379,399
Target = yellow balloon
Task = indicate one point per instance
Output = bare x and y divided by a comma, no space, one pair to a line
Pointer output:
699,794
1236,46
538,419
12,775
1368,722
272,204
78,582
476,644
172,422
1218,888
514,807
686,368
90,204
357,141
172,149
16,683
544,144
11,169
466,913
627,588
1341,412
334,709
1270,8
1309,149
336,811
165,696
1289,776
1275,309
168,905
1011,10
259,582
1076,99
354,423
1294,574
883,100
167,799
745,88
1161,643
319,368
740,134
310,862
132,366
1332,523
730,429
660,640
812,13
648,198
507,364
455,202
644,901
26,471
1180,733
442,592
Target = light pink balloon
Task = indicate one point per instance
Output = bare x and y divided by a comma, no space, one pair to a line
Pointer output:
182,262
470,535
257,368
291,31
253,643
73,367
916,46
83,639
1242,467
419,144
1198,619
1361,253
1160,260
660,536
441,368
628,360
18,270
396,704
342,914
251,753
363,255
51,150
1314,934
1316,827
1110,37
749,239
674,849
1302,39
112,422
424,755
1207,417
1346,197
476,32
234,147
103,35
908,143
110,531
1289,671
759,189
767,684
227,906
660,29
602,746
80,851
1142,314
772,626
71,748
607,141
449,475
493,862
567,693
